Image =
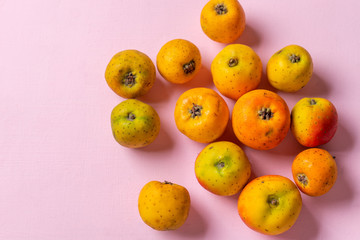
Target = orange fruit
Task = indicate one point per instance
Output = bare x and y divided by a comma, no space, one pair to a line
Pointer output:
314,171
201,114
178,61
223,20
261,119
236,70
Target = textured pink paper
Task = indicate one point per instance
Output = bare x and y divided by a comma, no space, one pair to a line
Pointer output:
63,176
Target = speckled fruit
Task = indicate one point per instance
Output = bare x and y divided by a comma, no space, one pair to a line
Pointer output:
201,114
236,70
178,61
314,171
130,74
223,20
164,205
290,68
134,124
314,121
222,168
270,204
261,119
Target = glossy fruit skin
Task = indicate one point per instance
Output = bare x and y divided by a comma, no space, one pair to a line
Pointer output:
223,26
222,168
236,70
290,68
314,121
178,61
130,74
270,204
201,114
164,205
252,128
314,171
134,124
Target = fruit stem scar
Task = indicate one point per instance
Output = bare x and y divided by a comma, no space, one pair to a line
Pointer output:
129,79
265,113
221,9
189,67
166,182
294,58
220,165
233,62
312,102
273,201
131,116
302,178
195,110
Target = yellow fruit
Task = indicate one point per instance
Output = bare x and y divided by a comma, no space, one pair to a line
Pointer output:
222,168
164,205
236,70
223,20
290,69
178,61
270,204
130,74
134,124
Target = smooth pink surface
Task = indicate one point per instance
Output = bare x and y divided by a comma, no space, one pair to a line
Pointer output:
63,176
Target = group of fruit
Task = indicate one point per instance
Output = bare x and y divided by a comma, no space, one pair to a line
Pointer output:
260,119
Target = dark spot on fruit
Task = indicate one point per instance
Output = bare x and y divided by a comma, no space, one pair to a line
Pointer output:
269,132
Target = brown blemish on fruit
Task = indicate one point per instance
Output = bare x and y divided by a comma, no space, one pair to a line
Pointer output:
294,58
269,132
302,178
221,9
195,110
129,79
189,67
233,62
265,113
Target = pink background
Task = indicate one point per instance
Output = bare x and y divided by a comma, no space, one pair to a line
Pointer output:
63,176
